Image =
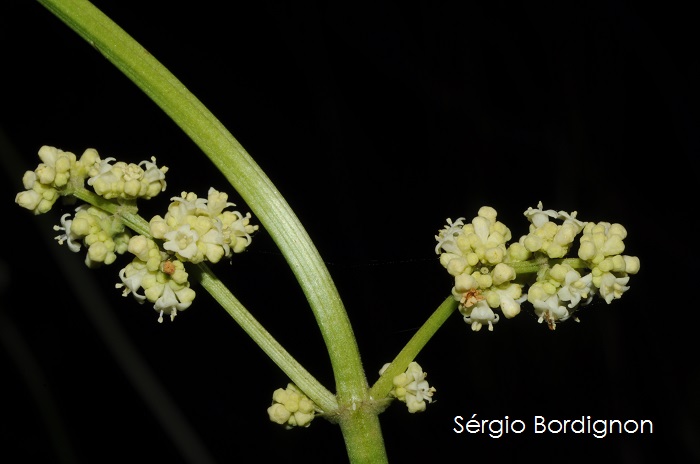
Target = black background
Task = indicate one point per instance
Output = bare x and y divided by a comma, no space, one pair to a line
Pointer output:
377,122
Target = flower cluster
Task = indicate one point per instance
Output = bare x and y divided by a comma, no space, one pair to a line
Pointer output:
127,181
411,387
490,276
475,254
198,229
163,279
56,173
103,234
291,408
193,230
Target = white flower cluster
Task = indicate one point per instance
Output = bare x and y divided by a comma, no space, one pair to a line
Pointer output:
489,276
411,387
61,171
198,229
291,408
558,293
475,254
162,279
547,236
193,230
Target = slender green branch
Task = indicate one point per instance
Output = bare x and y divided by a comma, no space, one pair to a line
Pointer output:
384,385
126,212
323,398
296,372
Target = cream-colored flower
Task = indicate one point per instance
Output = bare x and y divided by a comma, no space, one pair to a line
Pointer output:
58,171
198,229
163,279
548,237
291,408
411,387
103,234
612,287
479,315
127,180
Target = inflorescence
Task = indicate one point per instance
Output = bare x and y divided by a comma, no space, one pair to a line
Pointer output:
411,387
291,408
193,230
490,276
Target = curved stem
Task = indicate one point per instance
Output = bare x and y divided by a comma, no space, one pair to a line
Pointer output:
241,171
256,189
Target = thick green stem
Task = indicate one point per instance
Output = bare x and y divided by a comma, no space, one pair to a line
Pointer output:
241,171
359,432
247,179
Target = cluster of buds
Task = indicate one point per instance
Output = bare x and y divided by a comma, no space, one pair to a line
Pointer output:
103,234
127,180
291,408
411,387
491,275
58,171
193,230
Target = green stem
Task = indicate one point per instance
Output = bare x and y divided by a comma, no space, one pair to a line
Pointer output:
247,179
534,265
296,372
126,212
381,388
323,398
242,172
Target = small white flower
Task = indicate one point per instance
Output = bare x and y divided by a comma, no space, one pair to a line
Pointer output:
551,310
446,237
182,241
612,287
538,216
131,277
509,298
171,301
412,388
480,314
71,239
576,288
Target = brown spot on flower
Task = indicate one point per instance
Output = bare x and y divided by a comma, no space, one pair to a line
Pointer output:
471,298
168,267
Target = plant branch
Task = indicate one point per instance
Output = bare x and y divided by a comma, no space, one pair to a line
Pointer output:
383,386
241,171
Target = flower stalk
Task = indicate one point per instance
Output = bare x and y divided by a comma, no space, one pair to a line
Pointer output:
248,179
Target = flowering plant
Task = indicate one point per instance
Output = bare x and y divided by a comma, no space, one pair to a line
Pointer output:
492,277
